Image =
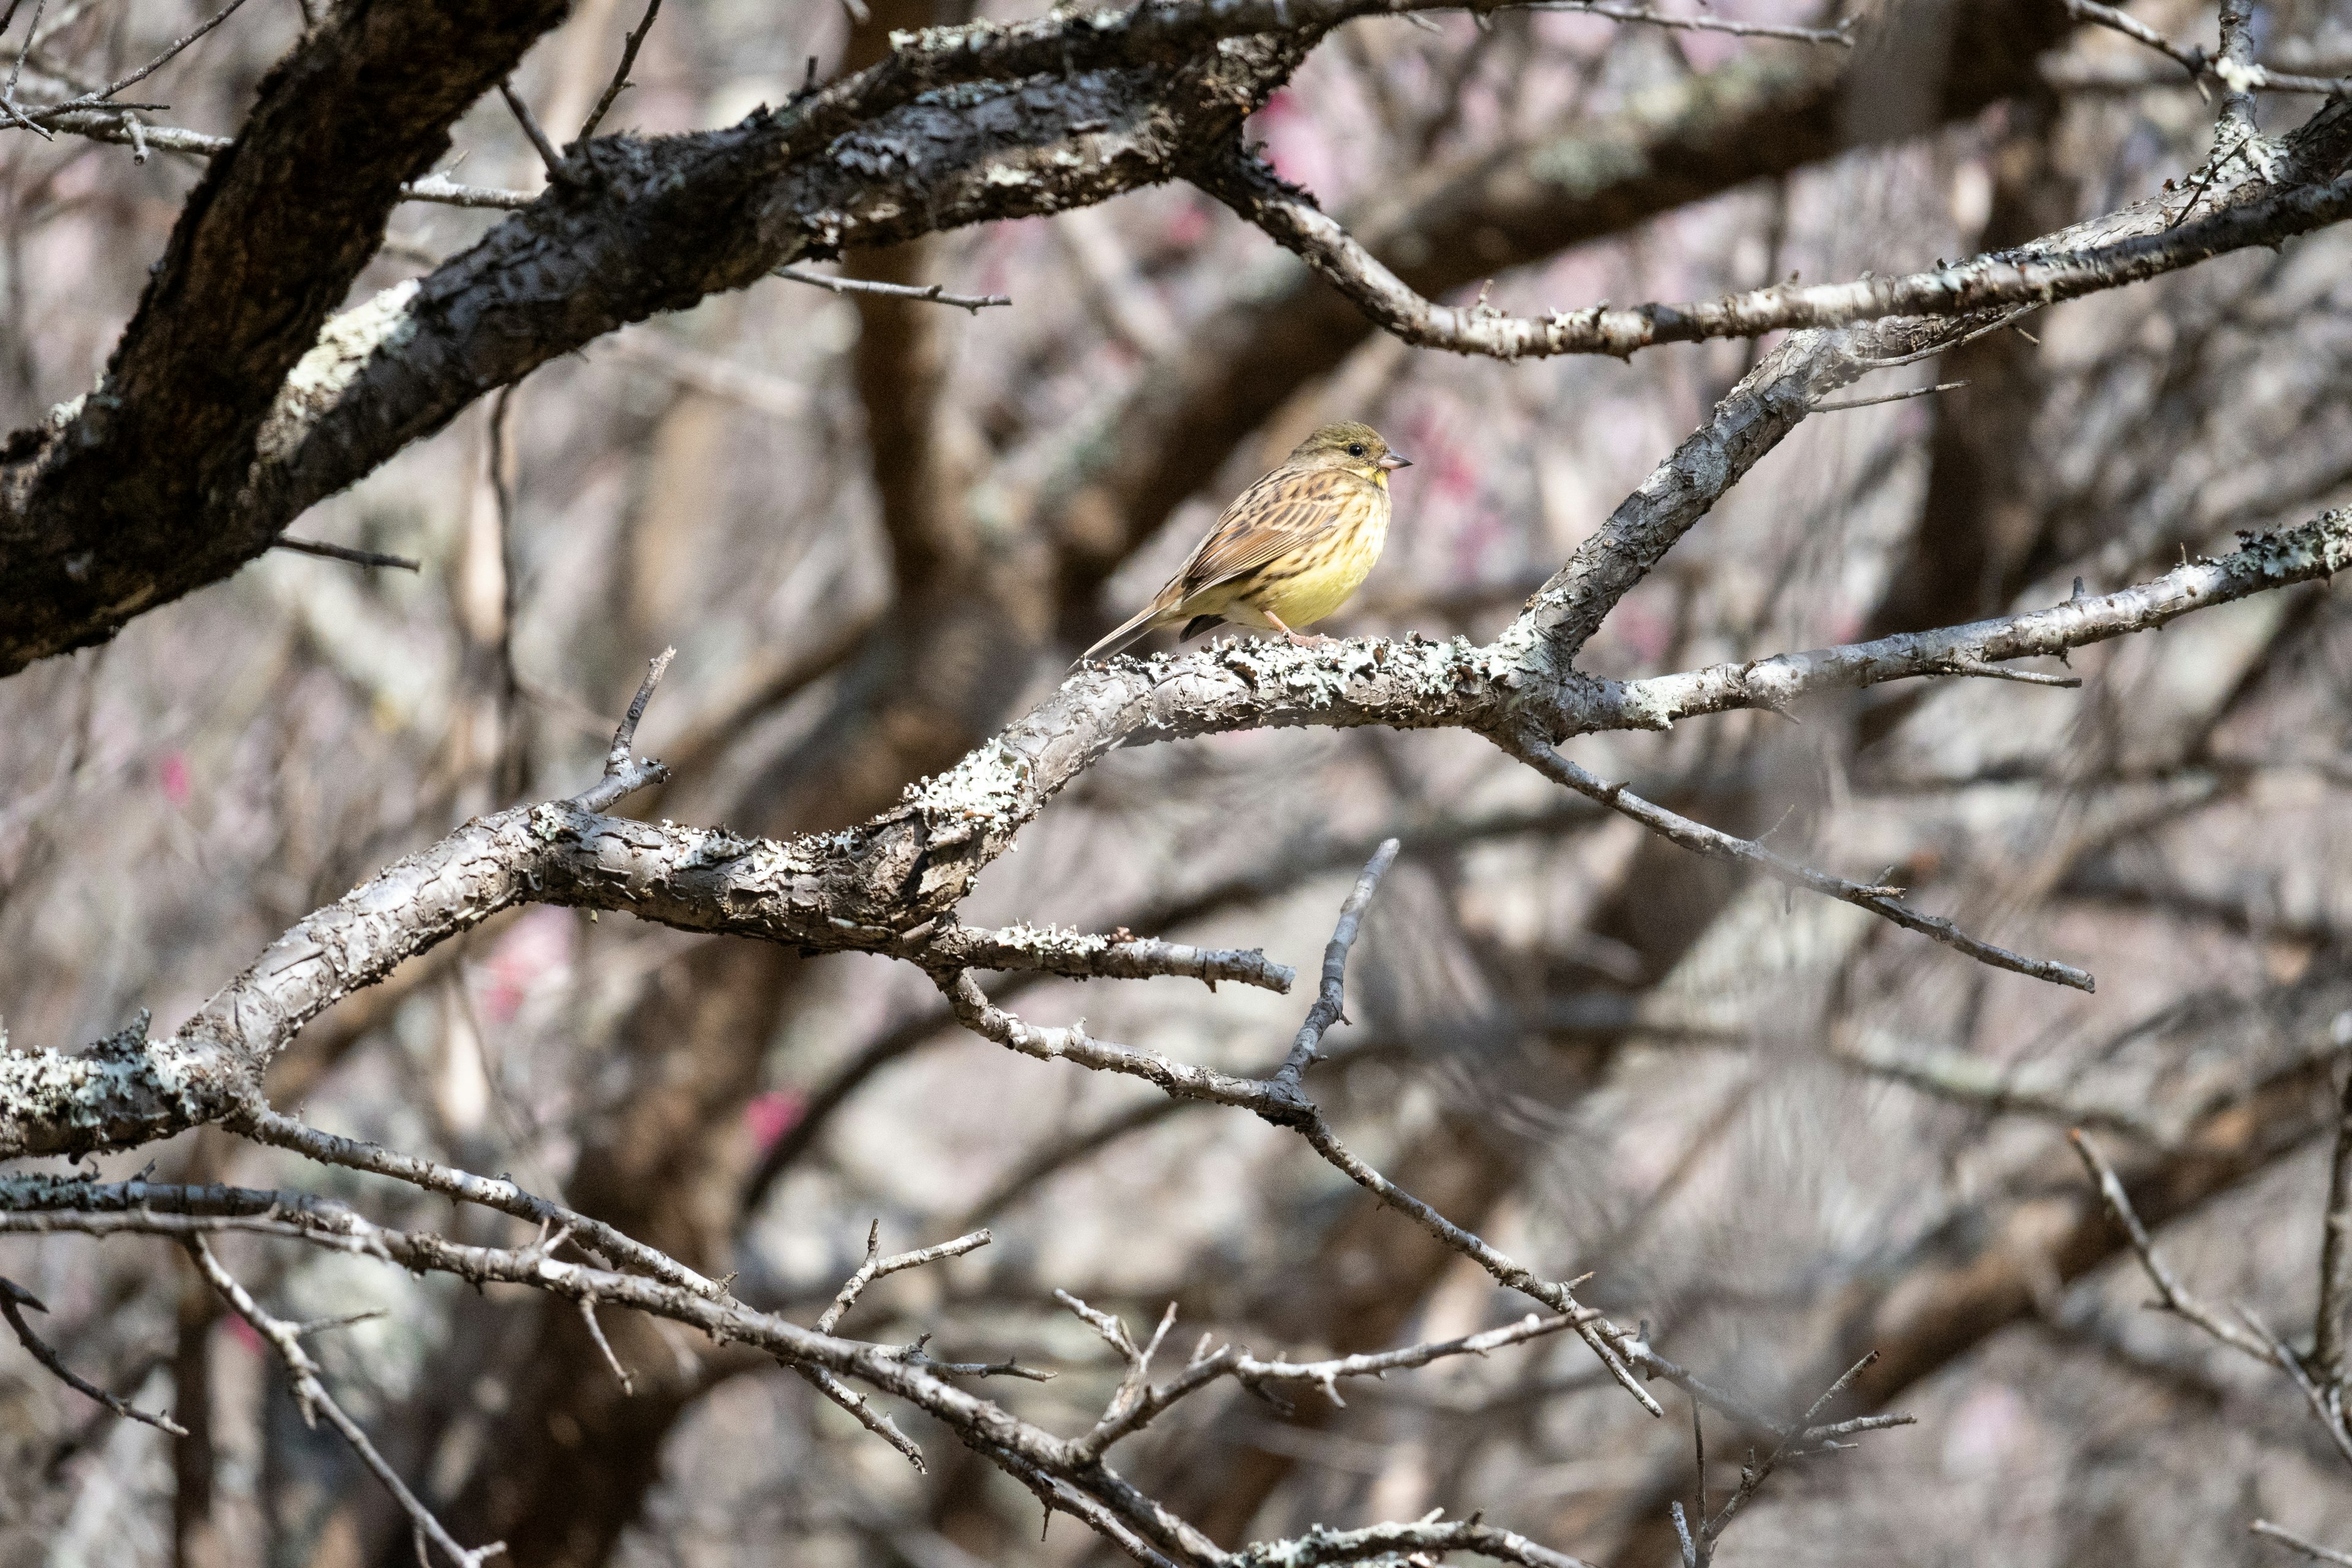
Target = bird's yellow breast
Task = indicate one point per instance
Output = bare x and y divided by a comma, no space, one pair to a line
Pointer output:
1309,584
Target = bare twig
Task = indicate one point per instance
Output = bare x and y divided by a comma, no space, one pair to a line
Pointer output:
913,1355
14,1300
265,1126
1842,34
1424,1541
878,1267
101,95
345,552
114,123
2170,1294
2193,60
16,67
623,774
869,1415
2311,1549
1704,840
619,81
1080,956
983,1017
1330,1001
529,124
312,1396
587,1305
1752,1476
2313,551
935,292
1506,1270
1888,397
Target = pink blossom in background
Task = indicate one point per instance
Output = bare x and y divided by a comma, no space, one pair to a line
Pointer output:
772,1114
243,1332
173,776
1642,628
533,947
1295,143
1188,225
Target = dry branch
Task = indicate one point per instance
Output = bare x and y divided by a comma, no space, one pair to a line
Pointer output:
2002,282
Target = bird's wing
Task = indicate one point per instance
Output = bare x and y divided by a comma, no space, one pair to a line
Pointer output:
1273,517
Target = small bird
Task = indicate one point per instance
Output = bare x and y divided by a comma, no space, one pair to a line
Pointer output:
1291,548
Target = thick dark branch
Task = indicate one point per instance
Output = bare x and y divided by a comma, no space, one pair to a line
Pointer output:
1116,101
109,509
89,537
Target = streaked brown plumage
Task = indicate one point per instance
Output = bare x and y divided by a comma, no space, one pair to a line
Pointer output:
1289,551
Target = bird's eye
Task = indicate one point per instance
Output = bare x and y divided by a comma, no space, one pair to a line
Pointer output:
1355,449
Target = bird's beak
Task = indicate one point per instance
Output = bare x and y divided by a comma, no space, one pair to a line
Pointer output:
1394,461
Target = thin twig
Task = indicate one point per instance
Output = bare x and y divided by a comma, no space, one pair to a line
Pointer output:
311,1396
1968,290
345,552
279,1130
2172,1297
1330,1001
2311,1549
625,735
878,1267
15,1297
623,774
1751,1479
1887,397
2004,672
868,1415
134,77
1842,34
529,124
1702,839
619,81
112,123
2325,1407
16,67
596,1331
2194,60
935,292
913,1355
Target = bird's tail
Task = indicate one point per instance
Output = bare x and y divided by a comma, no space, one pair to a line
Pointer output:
1126,631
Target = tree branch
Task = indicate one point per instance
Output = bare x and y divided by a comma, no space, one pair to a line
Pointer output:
95,523
1989,283
2311,552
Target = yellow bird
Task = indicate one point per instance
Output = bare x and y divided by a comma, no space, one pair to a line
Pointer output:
1291,548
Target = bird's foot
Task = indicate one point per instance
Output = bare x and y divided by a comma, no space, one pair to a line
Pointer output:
1296,639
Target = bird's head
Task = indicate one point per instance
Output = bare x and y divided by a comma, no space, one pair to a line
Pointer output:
1355,448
